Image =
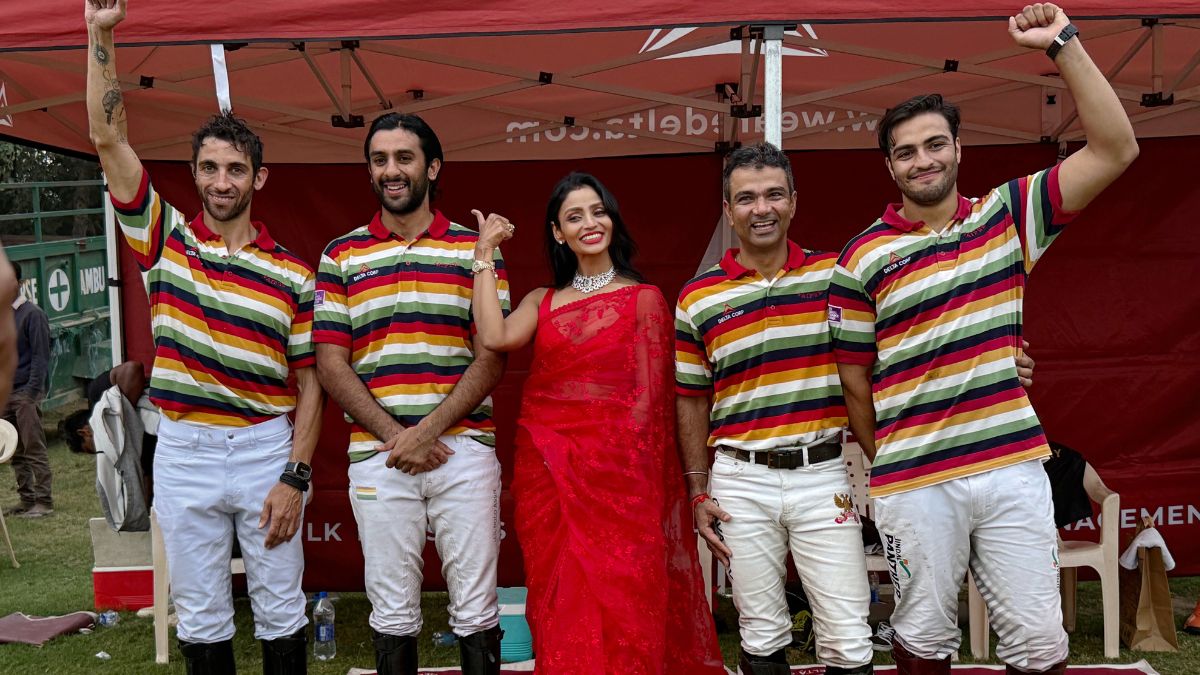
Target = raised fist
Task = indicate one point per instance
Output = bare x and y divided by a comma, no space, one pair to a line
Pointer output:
1037,25
103,14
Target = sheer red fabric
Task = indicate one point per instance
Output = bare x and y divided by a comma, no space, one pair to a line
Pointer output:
610,557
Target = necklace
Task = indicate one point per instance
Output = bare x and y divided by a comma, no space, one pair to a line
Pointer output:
585,284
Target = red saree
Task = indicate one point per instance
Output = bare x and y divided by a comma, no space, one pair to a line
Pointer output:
610,555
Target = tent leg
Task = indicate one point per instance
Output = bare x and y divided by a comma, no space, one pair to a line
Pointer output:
773,84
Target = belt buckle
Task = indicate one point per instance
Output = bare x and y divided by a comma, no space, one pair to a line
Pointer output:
786,459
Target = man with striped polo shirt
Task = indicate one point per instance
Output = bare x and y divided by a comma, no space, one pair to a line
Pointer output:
756,380
925,311
232,316
396,349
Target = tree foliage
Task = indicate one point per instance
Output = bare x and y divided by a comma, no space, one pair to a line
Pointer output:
22,164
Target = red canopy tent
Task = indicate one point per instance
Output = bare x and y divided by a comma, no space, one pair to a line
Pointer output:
647,95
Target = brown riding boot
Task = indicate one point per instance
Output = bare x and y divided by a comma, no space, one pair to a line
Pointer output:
908,664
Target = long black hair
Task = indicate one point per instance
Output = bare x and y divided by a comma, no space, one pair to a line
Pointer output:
622,249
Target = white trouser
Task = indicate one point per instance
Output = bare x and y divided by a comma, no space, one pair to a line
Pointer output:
805,511
1001,524
460,502
209,484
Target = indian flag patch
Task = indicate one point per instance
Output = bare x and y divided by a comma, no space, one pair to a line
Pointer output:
365,493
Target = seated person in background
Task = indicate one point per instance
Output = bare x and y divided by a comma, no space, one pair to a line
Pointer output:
130,378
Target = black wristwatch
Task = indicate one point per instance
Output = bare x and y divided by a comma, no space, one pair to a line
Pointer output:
297,475
1063,38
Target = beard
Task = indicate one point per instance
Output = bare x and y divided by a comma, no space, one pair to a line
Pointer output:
931,194
418,187
225,213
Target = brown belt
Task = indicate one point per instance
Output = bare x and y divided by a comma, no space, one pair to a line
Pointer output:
786,459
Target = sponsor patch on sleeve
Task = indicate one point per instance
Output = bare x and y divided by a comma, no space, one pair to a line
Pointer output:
318,298
835,314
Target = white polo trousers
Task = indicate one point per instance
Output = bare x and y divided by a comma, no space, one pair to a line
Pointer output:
210,483
460,503
805,511
1001,524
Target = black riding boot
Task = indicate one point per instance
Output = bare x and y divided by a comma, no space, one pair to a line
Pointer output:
773,664
395,654
211,658
286,655
481,652
864,669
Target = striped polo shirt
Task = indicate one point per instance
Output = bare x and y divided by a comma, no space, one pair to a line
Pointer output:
403,309
228,326
938,317
761,348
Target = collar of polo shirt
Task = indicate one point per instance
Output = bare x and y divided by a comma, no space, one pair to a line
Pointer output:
437,229
891,215
734,269
263,240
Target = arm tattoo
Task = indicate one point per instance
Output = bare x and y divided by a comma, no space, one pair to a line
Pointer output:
112,101
101,55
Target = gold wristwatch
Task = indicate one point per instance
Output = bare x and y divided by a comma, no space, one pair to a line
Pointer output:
481,265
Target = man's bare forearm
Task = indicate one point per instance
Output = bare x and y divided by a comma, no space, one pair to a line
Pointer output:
348,390
692,425
480,378
860,407
105,102
106,116
309,402
1105,123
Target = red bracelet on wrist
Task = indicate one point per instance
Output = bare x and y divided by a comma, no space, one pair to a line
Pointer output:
700,499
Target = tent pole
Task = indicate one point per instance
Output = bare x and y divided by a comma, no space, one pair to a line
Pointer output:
116,330
773,85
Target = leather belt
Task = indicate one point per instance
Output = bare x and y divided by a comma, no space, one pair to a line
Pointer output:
794,458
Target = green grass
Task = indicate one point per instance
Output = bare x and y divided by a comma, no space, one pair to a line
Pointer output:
55,578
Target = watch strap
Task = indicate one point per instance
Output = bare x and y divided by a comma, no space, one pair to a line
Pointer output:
294,481
1063,38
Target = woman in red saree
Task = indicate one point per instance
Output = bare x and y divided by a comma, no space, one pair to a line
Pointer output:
610,556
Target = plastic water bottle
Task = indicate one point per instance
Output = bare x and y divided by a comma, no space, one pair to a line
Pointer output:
324,647
444,639
109,619
874,579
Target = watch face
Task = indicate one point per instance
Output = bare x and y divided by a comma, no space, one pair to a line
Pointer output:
301,469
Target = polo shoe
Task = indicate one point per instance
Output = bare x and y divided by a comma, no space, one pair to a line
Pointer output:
36,511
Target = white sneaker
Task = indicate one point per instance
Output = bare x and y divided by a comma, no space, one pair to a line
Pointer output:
881,641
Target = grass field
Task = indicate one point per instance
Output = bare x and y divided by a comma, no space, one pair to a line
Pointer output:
55,578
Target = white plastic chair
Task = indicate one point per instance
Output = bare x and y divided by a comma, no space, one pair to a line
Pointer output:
858,469
1100,556
7,450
